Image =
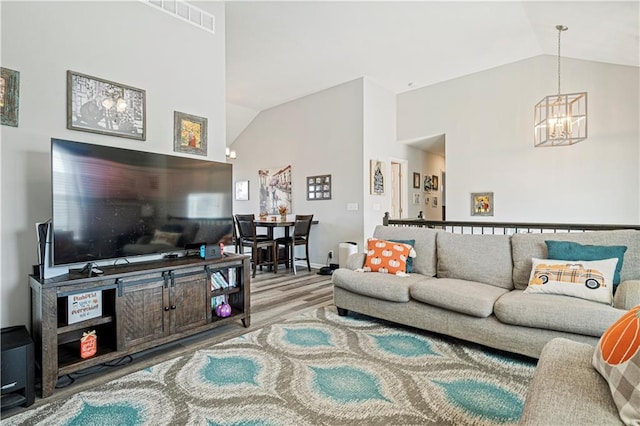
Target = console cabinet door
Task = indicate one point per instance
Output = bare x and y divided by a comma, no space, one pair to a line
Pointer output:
141,305
190,300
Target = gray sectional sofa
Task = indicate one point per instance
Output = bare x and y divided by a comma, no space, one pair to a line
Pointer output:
471,287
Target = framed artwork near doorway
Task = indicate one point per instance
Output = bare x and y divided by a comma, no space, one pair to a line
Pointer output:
416,180
434,183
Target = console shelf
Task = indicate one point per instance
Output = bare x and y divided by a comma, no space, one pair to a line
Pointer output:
85,324
143,305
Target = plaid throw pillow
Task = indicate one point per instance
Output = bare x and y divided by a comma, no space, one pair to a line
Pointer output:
586,280
617,359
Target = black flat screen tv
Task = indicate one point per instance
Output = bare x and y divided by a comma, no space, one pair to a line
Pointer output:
111,203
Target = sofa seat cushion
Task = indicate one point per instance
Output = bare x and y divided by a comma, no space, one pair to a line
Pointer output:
467,297
425,245
380,286
556,312
479,258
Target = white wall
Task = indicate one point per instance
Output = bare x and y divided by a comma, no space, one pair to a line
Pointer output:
488,121
317,134
379,143
335,131
180,66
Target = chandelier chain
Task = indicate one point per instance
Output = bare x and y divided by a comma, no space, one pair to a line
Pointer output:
559,32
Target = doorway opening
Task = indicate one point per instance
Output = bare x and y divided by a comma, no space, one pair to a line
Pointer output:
398,193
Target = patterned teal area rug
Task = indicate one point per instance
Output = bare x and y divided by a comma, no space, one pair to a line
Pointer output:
316,369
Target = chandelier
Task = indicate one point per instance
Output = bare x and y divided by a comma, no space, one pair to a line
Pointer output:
561,119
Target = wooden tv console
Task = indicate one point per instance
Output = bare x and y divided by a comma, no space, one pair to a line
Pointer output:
143,305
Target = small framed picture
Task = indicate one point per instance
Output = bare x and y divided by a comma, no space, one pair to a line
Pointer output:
416,198
102,106
319,187
416,180
434,202
482,204
242,190
189,133
434,182
427,183
9,96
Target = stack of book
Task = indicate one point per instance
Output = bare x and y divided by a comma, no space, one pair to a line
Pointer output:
220,281
218,300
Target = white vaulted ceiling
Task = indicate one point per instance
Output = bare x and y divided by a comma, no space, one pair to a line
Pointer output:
280,51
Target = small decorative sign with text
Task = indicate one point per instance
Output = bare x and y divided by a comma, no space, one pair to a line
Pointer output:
84,306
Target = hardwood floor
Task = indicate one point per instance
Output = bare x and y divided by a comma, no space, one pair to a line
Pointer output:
274,297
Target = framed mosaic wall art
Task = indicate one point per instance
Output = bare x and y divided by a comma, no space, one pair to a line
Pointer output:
9,96
482,204
319,187
190,133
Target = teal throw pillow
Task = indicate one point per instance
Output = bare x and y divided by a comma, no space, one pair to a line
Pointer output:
565,250
410,259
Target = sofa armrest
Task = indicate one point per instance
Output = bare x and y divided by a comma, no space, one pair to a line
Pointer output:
355,261
567,390
627,295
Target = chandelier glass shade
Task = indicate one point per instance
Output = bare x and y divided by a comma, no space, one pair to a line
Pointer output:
561,119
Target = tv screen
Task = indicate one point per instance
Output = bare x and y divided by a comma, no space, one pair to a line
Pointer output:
111,203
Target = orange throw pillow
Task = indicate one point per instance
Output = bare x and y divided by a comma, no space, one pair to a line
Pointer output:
617,359
386,256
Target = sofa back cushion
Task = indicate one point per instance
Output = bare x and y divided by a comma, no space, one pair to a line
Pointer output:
425,245
527,246
482,258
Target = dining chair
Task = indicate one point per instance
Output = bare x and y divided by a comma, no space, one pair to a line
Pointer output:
300,236
236,233
257,243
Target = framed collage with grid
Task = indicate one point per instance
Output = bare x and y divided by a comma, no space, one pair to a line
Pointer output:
319,187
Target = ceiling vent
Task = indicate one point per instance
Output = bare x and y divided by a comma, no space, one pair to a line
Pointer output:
186,12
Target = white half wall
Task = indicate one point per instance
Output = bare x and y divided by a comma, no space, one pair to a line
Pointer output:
180,66
488,121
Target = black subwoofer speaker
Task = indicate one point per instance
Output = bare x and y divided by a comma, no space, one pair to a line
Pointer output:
17,368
